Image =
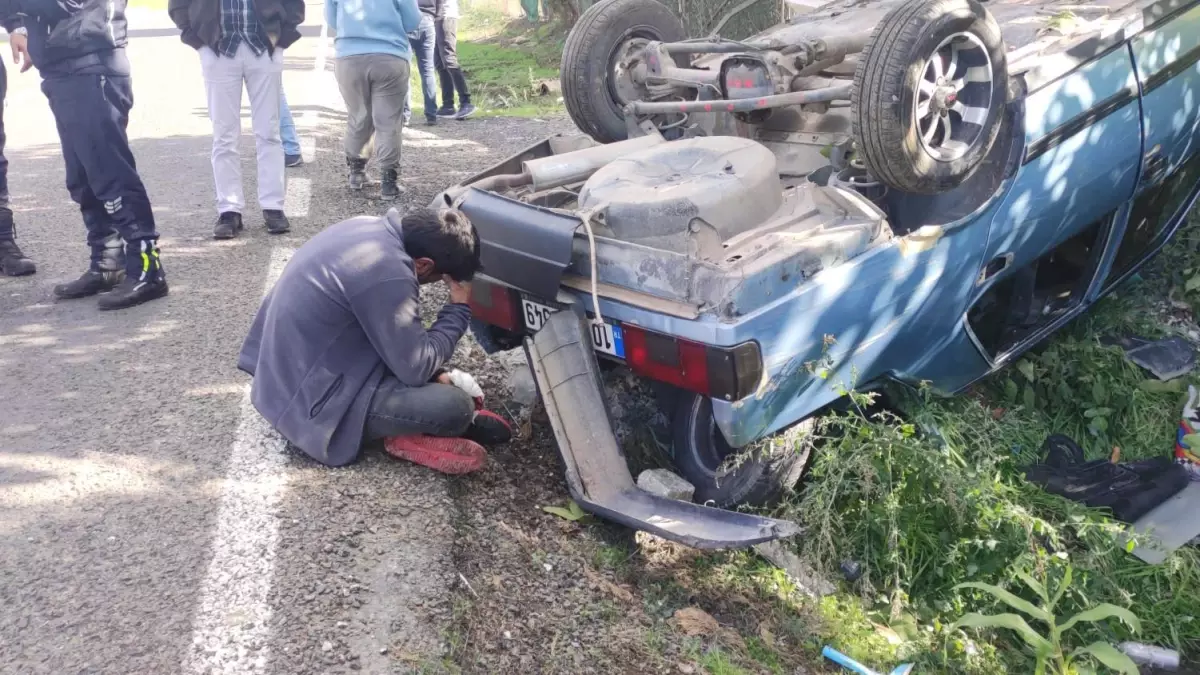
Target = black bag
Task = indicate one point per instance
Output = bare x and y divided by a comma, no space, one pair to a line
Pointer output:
1130,490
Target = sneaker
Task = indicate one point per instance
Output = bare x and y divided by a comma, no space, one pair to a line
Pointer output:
292,161
228,225
465,111
13,262
90,283
131,292
389,189
358,173
488,428
277,223
447,112
431,121
448,455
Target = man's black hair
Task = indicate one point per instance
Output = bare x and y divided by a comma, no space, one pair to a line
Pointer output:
446,237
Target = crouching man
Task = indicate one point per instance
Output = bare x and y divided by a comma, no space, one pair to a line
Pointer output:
339,355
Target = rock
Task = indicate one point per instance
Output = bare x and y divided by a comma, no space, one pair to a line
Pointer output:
327,646
667,484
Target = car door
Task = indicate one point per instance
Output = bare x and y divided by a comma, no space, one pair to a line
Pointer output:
1083,147
1166,58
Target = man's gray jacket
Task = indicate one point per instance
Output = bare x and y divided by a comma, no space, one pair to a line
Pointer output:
344,312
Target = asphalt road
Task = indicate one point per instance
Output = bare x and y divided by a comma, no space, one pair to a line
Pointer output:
149,523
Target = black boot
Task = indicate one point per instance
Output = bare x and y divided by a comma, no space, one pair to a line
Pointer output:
277,223
13,262
228,225
90,283
141,283
358,172
132,292
389,189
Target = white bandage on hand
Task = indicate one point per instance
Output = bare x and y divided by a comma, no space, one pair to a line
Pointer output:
465,382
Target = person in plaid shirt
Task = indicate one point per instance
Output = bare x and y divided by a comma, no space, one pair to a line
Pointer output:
242,42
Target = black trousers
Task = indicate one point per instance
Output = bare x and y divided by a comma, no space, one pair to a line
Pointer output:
445,58
5,223
92,113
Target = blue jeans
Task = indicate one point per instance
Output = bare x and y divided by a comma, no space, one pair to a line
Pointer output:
287,128
421,42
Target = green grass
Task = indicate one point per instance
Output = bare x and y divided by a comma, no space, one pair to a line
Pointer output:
506,60
923,512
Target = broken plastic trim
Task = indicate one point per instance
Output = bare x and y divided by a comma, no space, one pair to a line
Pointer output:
598,478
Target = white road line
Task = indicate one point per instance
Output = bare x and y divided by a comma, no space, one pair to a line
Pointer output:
231,627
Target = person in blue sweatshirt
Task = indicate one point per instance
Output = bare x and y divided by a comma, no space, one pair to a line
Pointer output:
372,72
339,354
78,46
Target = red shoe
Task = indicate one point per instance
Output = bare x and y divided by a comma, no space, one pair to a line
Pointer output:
448,455
488,428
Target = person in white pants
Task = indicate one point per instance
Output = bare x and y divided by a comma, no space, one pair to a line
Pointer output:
241,42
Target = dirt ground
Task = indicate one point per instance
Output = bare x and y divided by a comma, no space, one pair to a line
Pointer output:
536,593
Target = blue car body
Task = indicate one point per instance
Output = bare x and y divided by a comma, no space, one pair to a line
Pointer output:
1099,146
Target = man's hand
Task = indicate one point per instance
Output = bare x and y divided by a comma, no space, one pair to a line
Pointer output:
460,291
20,51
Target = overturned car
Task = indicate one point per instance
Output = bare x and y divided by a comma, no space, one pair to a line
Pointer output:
914,191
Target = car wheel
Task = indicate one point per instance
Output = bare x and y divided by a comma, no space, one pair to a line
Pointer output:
598,58
699,451
929,94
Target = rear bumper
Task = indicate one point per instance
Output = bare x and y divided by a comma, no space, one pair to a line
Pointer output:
598,478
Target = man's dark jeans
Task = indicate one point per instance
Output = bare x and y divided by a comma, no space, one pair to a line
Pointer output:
449,72
92,113
421,42
433,410
5,223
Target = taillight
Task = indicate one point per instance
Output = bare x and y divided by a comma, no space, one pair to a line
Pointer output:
495,305
726,373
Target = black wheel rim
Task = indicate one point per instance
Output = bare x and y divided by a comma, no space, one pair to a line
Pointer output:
953,97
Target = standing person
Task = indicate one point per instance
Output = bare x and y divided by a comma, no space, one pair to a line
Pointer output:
242,42
421,41
79,49
339,354
13,262
287,134
372,73
446,55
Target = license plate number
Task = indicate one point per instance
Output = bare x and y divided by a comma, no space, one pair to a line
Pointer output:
606,338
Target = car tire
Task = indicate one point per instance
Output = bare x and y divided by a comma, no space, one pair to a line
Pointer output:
699,448
929,94
589,87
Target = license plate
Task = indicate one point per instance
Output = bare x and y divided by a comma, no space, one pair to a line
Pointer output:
606,338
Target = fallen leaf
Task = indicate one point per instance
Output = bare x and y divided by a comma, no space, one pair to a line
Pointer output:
607,586
695,621
733,639
687,668
572,512
765,634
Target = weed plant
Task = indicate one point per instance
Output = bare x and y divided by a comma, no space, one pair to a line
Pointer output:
935,497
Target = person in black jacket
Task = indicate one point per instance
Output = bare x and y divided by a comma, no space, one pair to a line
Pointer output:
78,46
243,41
13,262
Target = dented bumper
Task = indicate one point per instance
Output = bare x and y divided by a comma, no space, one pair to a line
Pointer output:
598,478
